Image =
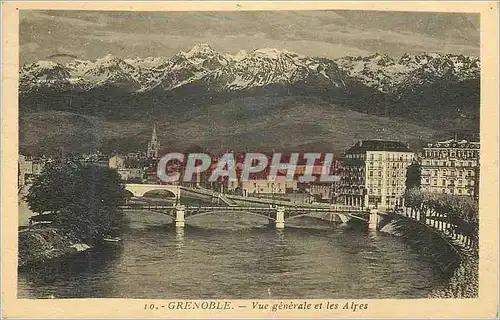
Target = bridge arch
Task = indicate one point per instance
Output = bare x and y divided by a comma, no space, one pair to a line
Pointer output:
159,192
128,194
260,214
138,190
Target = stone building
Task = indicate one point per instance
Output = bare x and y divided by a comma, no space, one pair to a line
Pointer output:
374,174
450,167
117,162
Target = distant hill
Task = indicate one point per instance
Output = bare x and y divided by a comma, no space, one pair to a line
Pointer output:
253,123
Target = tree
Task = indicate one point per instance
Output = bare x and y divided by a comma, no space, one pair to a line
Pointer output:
413,176
83,198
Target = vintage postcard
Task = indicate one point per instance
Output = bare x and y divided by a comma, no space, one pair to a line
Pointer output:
249,160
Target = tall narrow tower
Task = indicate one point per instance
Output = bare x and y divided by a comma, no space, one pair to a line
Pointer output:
153,145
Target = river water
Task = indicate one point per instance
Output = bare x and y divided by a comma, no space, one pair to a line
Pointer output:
227,255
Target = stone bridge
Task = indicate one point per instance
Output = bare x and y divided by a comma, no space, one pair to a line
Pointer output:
275,215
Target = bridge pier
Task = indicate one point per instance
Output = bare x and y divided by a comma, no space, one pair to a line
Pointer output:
179,216
373,222
280,218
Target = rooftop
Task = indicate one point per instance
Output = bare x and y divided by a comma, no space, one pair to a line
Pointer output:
454,143
379,145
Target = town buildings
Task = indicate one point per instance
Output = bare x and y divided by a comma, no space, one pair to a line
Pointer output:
278,185
451,167
374,173
138,167
29,168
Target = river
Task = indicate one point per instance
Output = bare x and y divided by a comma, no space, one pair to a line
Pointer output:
227,255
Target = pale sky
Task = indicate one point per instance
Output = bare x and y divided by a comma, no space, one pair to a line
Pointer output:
330,34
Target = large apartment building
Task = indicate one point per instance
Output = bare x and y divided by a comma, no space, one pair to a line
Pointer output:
451,167
374,173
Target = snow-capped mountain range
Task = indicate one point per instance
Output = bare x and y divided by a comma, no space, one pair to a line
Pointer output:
205,69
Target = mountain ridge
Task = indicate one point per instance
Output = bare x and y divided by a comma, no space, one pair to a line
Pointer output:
224,72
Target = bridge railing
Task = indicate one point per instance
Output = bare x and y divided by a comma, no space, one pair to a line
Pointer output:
460,232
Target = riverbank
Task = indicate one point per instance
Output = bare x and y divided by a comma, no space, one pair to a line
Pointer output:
459,265
41,244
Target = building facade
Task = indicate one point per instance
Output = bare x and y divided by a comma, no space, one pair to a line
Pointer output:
279,185
374,174
451,167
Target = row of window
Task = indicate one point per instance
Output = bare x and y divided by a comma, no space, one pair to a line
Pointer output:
392,191
394,165
454,191
391,182
444,182
443,154
450,163
451,173
372,156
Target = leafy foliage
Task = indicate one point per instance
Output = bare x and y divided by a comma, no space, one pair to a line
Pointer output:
83,198
413,176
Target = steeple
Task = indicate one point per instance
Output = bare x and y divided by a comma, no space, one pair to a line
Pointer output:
153,145
154,138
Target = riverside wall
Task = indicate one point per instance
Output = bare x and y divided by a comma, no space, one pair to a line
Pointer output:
458,264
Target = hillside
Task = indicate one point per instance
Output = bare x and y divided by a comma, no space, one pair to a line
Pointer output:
293,124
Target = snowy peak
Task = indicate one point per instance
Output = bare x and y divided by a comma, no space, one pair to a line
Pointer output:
203,67
43,74
385,74
201,49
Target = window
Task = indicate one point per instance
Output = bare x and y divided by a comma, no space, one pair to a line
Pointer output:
459,191
459,182
371,156
444,182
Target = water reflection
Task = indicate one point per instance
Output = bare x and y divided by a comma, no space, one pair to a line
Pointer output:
179,239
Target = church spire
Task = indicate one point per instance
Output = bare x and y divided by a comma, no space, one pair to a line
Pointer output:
153,145
153,136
